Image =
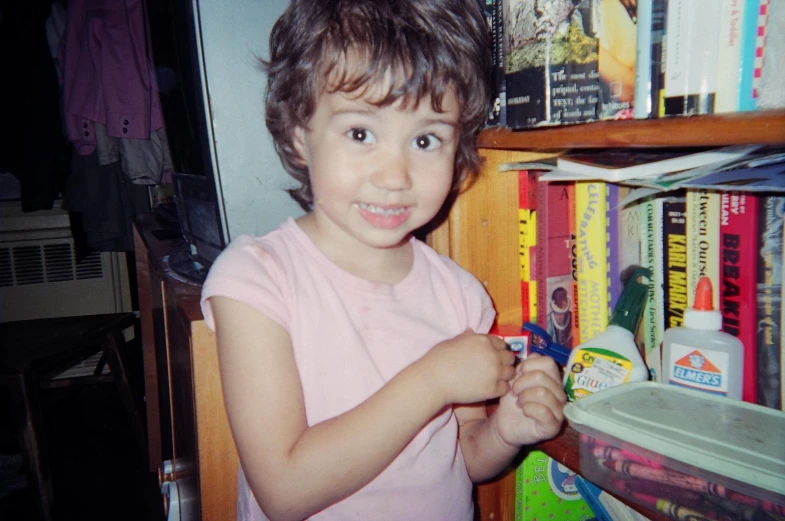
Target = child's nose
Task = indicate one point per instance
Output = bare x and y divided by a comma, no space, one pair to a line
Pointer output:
392,173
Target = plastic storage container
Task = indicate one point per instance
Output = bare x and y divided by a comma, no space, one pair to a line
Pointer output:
682,452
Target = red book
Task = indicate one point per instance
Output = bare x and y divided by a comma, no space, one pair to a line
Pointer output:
555,301
738,269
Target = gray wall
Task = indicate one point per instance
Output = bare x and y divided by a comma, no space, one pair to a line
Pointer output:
251,177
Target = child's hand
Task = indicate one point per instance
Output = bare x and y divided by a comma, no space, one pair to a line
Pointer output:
470,368
533,410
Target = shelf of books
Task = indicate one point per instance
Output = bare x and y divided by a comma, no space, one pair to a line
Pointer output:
519,230
764,127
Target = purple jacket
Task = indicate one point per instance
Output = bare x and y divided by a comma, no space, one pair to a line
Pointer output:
108,76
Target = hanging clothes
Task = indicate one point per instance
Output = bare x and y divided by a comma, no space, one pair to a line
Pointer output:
113,117
107,73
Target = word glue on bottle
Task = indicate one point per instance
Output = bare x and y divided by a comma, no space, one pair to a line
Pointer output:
701,356
612,357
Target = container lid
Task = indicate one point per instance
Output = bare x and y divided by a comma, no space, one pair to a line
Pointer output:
742,441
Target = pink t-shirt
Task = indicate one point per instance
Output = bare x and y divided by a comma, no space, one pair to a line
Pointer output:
350,336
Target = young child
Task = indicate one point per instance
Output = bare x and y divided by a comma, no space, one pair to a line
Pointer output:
354,358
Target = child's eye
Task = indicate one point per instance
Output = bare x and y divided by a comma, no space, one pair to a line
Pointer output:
363,135
427,142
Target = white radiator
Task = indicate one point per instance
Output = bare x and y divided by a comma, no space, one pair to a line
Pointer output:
39,275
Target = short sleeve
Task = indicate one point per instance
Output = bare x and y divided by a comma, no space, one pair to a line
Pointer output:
247,272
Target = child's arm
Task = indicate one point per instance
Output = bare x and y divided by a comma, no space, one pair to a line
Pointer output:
295,470
531,412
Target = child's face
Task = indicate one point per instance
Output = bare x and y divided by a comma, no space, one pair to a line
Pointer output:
378,173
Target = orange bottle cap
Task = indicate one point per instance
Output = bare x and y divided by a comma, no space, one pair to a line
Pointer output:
704,298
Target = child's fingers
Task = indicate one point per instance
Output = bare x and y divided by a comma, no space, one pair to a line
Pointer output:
549,420
539,380
545,364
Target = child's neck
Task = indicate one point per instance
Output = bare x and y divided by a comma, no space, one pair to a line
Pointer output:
383,265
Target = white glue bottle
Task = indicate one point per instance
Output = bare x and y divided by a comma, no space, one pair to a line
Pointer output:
699,355
611,358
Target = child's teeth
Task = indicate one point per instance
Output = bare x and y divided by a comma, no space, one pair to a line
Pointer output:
381,211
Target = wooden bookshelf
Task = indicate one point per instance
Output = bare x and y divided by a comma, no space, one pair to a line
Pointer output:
767,127
481,222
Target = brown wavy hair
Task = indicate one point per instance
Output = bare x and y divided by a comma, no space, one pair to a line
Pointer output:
427,47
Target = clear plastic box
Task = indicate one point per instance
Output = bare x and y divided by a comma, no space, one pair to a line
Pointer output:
683,453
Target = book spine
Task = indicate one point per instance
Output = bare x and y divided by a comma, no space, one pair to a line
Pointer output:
543,250
494,11
573,224
527,233
749,45
630,251
729,55
614,247
691,68
641,106
769,301
739,260
674,260
651,258
555,301
703,248
760,53
617,33
591,199
659,14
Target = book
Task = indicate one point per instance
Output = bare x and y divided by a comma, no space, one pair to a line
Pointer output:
555,300
674,261
659,14
703,242
591,199
751,42
768,72
621,164
738,289
769,301
641,107
492,12
652,258
691,57
573,224
550,63
630,250
527,237
729,55
613,237
616,31
545,489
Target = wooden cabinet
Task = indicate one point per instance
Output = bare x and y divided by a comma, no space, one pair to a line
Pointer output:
185,409
481,231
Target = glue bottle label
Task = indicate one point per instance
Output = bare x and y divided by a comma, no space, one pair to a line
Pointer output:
594,369
701,369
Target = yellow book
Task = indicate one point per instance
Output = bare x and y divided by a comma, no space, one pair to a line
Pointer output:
527,240
703,242
591,216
